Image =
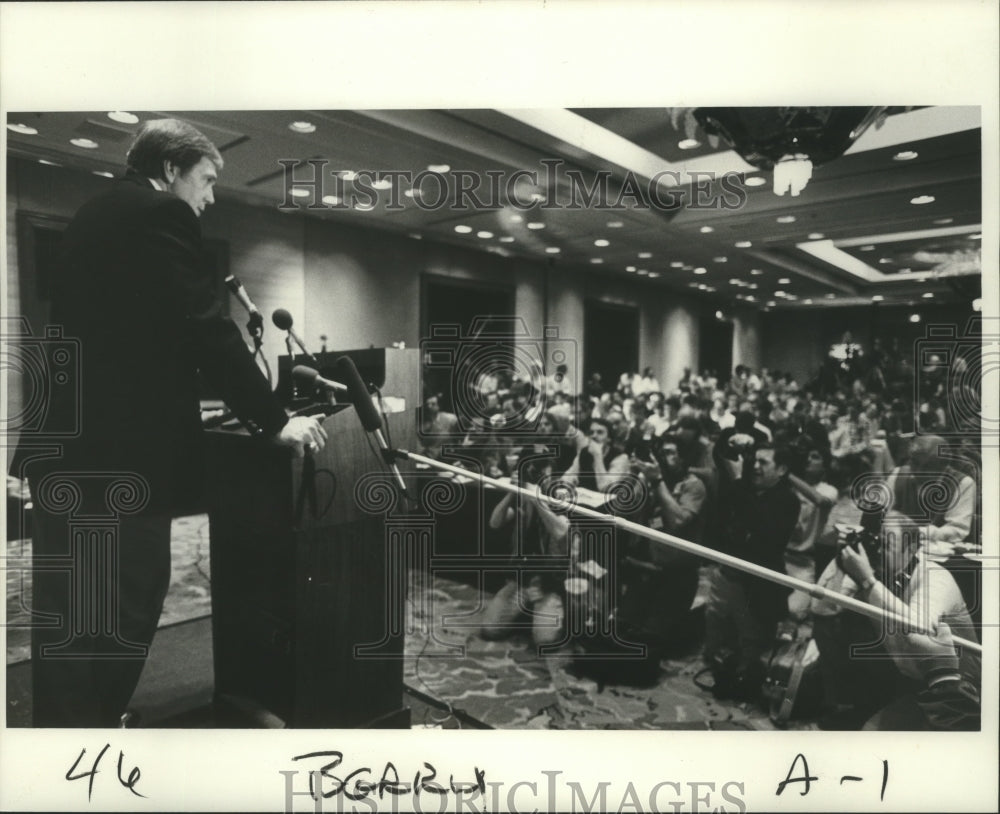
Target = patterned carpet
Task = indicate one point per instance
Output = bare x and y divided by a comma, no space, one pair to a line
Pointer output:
504,684
507,685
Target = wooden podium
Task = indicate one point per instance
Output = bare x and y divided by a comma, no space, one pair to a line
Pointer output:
299,600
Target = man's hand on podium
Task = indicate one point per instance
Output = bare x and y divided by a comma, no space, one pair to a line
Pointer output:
302,433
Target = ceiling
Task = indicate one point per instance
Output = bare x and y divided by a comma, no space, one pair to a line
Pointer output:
854,234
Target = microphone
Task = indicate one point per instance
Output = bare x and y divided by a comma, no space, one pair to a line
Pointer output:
283,321
236,287
255,326
365,408
311,378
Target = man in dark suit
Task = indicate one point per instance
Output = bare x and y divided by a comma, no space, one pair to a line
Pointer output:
134,290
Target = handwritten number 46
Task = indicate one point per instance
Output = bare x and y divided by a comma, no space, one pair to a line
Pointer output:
807,779
133,776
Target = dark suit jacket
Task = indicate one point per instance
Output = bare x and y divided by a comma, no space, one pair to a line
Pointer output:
134,289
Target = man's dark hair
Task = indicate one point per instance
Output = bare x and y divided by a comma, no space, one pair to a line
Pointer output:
603,422
173,140
784,455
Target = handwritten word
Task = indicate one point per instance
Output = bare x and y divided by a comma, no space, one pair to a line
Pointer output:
133,776
808,779
359,785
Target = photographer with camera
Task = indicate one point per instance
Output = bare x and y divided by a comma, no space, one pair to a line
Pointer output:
536,532
759,512
601,463
661,581
906,679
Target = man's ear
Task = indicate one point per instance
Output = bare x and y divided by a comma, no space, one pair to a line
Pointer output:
170,171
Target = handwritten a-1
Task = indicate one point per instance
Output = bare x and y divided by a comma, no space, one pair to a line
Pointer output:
91,775
807,779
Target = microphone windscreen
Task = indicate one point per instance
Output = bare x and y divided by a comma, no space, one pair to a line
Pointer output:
282,319
305,374
358,394
233,283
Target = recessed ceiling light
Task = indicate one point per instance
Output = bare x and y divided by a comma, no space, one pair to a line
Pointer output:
702,286
515,218
615,224
692,285
977,236
484,234
48,163
922,199
645,255
816,235
914,317
688,143
412,193
734,281
878,298
755,181
750,298
23,129
123,117
416,236
944,221
601,242
536,225
653,275
783,281
831,296
462,229
720,259
364,207
868,248
85,143
786,219
506,239
439,168
382,183
552,250
643,272
104,173
756,272
706,229
771,303
348,175
884,260
743,244
302,127
629,268
753,286
779,294
701,270
596,261
905,155
807,302
676,264
299,193
710,288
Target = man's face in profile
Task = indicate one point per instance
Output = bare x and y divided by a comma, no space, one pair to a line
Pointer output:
195,187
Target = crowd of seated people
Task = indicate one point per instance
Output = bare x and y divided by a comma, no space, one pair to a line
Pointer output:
766,469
